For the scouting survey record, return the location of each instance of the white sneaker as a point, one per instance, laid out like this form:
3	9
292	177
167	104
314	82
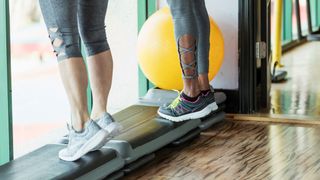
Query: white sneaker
107	123
92	137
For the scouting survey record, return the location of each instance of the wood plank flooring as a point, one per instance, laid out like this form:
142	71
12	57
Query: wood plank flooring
241	150
300	94
276	118
280	144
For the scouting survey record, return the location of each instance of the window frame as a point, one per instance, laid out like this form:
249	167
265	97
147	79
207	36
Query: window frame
6	137
145	9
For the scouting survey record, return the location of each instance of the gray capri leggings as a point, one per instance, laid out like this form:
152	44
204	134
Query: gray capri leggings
191	18
65	19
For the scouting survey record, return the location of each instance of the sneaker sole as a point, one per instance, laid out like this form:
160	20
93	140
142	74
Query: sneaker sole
96	142
195	115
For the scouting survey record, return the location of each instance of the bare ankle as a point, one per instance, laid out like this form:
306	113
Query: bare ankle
204	83
78	127
96	114
78	119
192	89
191	93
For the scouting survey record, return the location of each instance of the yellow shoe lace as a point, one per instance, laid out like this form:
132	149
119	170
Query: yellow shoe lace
175	102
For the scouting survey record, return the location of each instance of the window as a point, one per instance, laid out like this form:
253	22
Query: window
294	21
304	17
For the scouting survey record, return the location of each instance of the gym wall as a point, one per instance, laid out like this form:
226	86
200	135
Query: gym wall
225	15
122	30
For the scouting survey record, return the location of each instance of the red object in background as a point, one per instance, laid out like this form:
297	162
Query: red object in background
23	50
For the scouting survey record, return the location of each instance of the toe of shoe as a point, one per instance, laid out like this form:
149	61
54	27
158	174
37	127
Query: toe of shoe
63	153
165	110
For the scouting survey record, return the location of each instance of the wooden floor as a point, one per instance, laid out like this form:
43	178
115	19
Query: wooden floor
283	143
241	150
296	100
300	94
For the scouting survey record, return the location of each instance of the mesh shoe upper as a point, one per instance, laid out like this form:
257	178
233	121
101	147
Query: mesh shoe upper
181	106
209	97
105	120
108	123
76	140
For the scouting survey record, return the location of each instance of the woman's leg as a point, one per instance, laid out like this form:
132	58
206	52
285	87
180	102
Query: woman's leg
186	35
191	104
74	77
92	15
100	73
61	20
203	26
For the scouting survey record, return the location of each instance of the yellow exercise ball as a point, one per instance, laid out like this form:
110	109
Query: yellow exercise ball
158	55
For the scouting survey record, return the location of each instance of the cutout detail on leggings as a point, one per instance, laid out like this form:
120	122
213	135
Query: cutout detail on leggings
57	42
188	65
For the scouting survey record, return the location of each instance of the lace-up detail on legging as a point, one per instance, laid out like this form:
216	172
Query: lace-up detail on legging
188	61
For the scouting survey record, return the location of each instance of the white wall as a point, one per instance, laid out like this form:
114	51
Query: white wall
225	13
121	22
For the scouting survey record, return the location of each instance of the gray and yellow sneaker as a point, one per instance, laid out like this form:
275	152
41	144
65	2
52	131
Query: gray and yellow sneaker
92	137
107	123
181	109
210	99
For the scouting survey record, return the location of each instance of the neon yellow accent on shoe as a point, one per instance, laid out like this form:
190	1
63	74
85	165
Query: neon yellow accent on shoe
175	102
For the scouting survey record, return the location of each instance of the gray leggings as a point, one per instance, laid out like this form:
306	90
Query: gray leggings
65	19
191	18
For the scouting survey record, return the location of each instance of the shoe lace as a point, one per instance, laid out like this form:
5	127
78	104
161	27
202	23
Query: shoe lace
175	102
